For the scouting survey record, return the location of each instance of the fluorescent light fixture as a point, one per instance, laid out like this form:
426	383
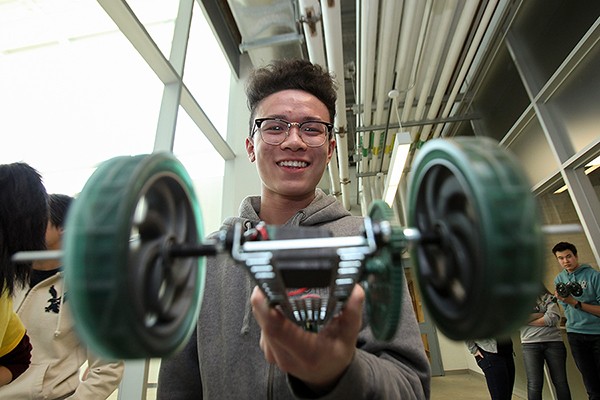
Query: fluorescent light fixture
591	166
399	155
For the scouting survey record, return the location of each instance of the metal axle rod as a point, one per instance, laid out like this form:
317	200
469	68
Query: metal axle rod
206	249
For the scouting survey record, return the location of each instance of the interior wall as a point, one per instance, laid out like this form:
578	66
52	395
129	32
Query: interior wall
241	178
454	356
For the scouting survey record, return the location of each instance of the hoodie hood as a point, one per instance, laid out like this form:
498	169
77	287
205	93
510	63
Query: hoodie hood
581	270
321	210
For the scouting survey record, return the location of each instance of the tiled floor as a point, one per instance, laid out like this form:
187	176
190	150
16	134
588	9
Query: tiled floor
463	386
453	386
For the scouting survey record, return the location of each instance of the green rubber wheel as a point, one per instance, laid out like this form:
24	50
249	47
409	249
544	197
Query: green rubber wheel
128	297
479	261
384	273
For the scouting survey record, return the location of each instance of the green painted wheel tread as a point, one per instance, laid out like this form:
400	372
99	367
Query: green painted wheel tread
107	277
385	277
481	279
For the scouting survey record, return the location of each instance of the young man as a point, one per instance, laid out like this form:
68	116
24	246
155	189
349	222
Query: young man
242	347
58	354
582	311
23	219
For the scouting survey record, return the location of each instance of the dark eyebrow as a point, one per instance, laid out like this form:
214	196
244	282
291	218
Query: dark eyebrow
283	117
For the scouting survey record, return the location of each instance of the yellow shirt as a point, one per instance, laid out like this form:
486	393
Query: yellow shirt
11	327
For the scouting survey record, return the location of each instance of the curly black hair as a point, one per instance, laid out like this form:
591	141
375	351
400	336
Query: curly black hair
291	74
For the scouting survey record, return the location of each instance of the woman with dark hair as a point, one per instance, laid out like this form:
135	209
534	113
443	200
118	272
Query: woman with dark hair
58	353
23	220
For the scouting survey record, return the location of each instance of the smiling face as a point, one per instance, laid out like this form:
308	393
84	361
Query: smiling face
290	170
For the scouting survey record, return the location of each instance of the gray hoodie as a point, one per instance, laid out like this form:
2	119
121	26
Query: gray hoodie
223	359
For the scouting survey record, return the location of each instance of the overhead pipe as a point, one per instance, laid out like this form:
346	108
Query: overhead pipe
390	45
458	40
433	57
414	73
357	71
332	25
387	45
310	16
369	11
409	79
405	59
409	33
357	102
460	79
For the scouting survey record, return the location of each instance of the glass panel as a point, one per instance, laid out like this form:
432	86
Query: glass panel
575	104
534	153
158	17
549	30
463	128
204	165
70	105
501	99
24	25
207	72
593	172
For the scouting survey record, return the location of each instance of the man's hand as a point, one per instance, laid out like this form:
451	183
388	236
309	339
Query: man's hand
317	359
568	300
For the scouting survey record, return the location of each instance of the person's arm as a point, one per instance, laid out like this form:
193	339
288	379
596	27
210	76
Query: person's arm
16	361
548	318
534	319
5	375
179	375
343	361
589	308
472	346
100	380
586	307
538	319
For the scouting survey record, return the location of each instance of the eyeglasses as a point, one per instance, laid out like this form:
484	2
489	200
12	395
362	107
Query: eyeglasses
273	131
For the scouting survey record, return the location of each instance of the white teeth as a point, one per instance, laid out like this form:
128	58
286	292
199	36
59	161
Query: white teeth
294	164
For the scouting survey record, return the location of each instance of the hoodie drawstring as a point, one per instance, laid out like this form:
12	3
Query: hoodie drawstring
248	309
63	290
